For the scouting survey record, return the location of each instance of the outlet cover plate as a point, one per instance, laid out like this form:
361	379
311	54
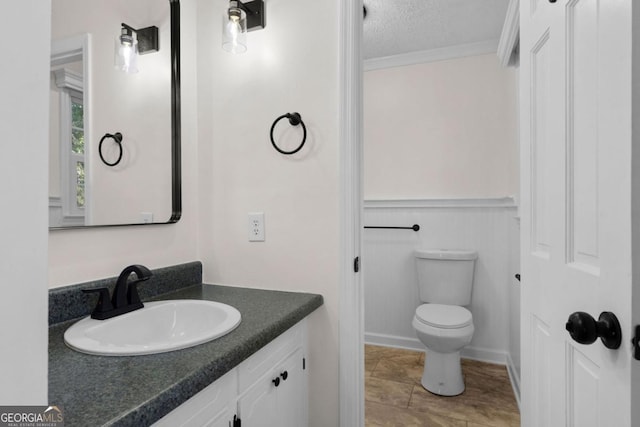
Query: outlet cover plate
256	226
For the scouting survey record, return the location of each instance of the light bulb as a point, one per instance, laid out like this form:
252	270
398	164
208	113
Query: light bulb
126	52
234	38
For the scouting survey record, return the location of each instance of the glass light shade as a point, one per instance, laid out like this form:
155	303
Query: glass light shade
234	37
126	52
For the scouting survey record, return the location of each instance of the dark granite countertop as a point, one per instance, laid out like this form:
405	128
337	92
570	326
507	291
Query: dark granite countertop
139	390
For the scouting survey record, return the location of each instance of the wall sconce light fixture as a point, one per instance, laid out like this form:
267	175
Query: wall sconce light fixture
240	18
130	43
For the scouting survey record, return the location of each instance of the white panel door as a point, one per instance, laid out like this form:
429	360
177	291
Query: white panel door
576	86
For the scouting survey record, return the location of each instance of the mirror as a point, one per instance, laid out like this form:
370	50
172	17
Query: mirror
114	152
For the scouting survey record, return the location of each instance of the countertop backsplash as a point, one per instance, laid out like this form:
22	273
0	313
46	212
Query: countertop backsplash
68	302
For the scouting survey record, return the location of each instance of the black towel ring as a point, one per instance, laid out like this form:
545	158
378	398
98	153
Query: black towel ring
294	120
117	137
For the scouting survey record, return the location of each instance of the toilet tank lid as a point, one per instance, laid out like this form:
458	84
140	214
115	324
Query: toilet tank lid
448	254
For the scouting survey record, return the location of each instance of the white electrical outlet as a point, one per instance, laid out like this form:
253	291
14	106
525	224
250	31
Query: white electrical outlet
256	226
146	217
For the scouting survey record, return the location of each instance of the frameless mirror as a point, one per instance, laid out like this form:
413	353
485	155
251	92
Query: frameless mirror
114	152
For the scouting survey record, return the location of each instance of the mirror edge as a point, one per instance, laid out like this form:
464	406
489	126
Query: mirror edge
176	132
176	114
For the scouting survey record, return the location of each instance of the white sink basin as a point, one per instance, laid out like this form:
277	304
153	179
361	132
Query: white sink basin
157	328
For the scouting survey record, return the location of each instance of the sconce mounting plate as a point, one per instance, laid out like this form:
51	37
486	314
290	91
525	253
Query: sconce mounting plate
148	40
255	14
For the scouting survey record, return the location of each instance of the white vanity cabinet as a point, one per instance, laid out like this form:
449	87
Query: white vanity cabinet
275	399
212	407
268	389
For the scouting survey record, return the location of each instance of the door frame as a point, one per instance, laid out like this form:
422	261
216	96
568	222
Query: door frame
351	292
635	202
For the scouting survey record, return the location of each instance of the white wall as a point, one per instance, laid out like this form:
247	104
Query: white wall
441	130
230	168
24	218
80	255
292	65
391	292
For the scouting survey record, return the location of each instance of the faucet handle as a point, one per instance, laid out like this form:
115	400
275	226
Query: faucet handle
104	302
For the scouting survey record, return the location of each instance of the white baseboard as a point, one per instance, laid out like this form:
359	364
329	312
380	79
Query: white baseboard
393	341
484	355
514	377
469	352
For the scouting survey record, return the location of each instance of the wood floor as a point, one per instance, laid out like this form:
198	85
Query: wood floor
395	397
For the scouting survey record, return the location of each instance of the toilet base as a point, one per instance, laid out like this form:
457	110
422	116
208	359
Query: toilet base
442	373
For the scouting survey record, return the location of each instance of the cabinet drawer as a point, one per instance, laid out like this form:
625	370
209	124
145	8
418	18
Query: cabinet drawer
273	353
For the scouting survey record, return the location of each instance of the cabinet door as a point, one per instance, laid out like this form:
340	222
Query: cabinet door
284	405
212	407
270	356
292	392
257	407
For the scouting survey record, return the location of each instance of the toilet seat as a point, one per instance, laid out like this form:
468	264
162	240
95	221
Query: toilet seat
444	316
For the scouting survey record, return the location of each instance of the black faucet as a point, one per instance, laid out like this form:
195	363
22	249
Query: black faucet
125	295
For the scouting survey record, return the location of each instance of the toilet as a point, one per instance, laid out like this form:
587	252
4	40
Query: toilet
442	323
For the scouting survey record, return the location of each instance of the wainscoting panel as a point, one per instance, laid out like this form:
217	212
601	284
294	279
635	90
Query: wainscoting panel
391	293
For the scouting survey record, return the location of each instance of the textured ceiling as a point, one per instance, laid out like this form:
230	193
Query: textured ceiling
394	27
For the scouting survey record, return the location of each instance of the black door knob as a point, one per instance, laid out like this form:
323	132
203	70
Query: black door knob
276	381
584	329
284	375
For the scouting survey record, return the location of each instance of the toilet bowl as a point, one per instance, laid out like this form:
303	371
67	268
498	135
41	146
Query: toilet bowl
441	323
444	330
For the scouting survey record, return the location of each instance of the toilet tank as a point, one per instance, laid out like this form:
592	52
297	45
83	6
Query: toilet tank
445	276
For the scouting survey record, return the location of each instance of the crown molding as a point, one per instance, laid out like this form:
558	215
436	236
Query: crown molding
432	55
510	37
